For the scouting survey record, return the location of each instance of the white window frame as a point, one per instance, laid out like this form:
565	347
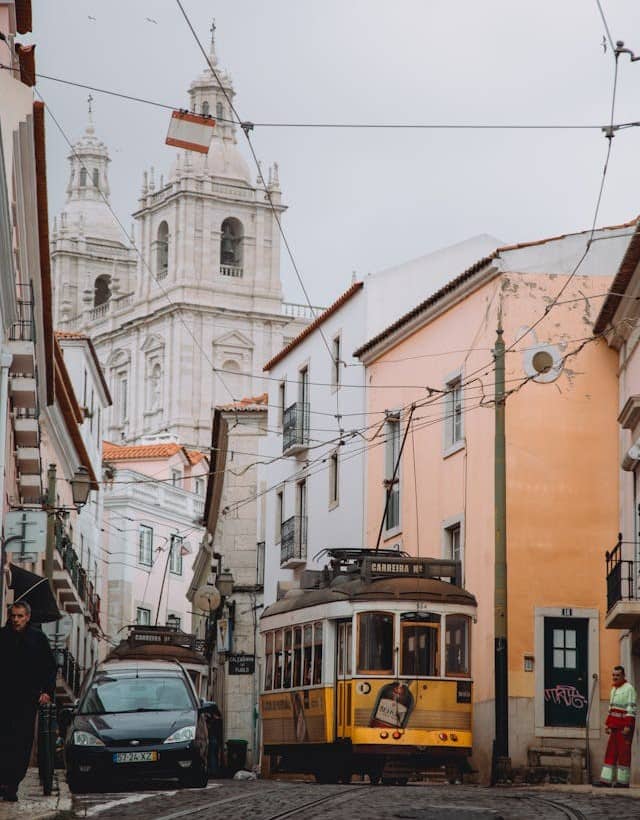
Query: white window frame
122	380
336	361
279	513
176	477
453	429
451	526
394	417
282	402
139	610
145	528
334	479
175	558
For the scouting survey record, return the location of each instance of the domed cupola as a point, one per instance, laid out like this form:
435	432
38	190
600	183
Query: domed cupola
211	95
86	209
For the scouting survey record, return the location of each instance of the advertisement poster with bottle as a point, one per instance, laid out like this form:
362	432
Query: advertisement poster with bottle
394	705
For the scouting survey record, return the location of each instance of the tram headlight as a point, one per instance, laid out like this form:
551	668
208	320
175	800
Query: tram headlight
443	736
384	735
453	736
396	735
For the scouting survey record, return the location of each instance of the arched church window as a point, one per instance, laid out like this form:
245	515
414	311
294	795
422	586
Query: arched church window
162	249
101	290
83	177
231	247
234	380
96	178
219	111
205	109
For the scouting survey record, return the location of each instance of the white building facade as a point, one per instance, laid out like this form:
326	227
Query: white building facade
184	321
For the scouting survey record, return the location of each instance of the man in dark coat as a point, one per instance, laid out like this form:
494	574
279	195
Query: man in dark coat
28	679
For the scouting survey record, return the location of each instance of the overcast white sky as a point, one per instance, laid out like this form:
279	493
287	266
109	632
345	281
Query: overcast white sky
364	200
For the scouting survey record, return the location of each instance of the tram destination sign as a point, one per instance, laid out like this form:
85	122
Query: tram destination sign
401	567
240	664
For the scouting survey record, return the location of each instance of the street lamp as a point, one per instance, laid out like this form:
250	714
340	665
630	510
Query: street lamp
224	583
80	487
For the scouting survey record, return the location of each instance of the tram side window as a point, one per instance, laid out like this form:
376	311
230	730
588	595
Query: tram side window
297	656
375	643
288	658
317	653
268	664
277	666
457	645
307	655
420	642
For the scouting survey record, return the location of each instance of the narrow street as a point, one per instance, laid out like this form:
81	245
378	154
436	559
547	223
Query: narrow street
273	800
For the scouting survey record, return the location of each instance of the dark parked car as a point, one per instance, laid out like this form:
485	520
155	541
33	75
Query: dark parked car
136	719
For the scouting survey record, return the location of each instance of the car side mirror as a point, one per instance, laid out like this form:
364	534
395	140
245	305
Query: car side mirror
208	707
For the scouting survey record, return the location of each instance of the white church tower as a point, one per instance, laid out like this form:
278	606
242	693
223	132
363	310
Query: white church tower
192	325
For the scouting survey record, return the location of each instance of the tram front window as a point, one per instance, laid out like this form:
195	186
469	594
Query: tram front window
317	653
297	656
420	642
307	655
277	666
288	658
375	643
457	645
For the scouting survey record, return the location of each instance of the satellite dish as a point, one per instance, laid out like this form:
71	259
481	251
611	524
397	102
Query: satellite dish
207	598
58	631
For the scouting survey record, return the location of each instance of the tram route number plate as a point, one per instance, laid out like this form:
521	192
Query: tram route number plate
135	757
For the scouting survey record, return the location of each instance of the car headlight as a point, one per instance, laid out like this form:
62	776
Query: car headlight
182	735
86	739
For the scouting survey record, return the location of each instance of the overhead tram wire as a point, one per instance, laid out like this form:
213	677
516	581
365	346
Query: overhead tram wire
362	126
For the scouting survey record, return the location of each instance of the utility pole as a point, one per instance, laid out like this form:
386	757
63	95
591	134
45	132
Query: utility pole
51	523
501	671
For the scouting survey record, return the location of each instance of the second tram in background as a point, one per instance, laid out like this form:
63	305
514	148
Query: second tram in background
370	671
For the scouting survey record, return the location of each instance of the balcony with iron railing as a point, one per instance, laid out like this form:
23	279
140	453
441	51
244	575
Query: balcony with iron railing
623	594
295	428
293	542
69	577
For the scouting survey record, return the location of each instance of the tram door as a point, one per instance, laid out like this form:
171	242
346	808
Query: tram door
343	693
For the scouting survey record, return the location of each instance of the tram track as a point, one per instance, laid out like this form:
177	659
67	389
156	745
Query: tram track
339	796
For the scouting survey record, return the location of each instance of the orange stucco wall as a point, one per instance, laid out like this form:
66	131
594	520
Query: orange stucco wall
562	461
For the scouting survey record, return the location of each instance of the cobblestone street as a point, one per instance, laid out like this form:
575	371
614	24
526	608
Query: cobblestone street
268	800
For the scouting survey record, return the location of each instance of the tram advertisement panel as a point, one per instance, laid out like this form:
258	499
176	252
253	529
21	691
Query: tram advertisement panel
295	717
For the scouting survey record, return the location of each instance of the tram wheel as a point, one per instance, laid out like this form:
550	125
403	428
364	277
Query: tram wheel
374	778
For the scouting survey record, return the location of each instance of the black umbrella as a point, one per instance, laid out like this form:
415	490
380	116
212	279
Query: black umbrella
36	591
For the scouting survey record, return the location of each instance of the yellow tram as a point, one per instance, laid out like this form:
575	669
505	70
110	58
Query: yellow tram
369	670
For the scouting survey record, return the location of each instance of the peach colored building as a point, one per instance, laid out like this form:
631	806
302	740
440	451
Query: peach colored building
618	321
561	472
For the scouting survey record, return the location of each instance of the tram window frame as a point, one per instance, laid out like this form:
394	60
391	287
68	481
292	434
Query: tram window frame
297	657
428	621
467	646
287	660
366	669
277	657
317	654
268	662
307	654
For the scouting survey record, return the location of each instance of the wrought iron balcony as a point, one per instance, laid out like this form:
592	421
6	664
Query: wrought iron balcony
70	672
293	541
295	428
623	594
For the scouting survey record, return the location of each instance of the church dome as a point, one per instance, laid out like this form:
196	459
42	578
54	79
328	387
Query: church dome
86	211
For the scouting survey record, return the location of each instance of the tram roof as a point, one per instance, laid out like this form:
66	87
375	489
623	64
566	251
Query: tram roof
379	589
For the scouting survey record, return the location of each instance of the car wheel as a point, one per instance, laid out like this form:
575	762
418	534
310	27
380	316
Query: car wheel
196	778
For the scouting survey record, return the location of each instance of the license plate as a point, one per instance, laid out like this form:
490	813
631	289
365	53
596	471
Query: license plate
135	757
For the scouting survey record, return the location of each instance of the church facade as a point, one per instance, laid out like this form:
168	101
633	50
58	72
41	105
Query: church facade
184	318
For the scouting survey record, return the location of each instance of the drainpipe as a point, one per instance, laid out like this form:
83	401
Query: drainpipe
5	363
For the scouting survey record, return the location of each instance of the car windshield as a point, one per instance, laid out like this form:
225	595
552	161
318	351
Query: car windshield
110	694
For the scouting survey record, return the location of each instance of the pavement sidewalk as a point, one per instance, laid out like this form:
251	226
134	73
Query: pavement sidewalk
32	804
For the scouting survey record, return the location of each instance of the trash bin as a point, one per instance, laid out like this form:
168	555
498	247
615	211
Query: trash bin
236	755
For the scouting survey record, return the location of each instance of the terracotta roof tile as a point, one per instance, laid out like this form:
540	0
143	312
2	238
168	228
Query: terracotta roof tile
131	452
195	456
316	323
249	403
